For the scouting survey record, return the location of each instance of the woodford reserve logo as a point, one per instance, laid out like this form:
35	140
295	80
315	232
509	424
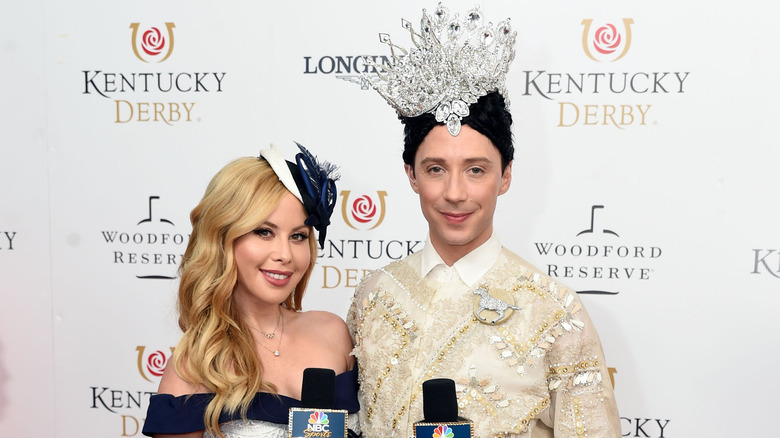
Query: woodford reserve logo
153	249
605	96
167	97
598	260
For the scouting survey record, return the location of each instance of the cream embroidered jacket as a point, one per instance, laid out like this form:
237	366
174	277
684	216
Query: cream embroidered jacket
539	373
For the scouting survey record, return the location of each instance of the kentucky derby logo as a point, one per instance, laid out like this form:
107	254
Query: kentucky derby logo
153	44
151	364
608	43
363	211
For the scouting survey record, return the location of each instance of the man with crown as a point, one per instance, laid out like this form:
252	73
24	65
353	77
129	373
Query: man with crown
524	355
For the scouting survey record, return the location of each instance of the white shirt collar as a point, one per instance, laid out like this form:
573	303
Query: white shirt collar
470	267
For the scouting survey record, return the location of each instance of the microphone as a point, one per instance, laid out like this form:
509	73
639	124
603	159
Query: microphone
319	388
317	416
440	412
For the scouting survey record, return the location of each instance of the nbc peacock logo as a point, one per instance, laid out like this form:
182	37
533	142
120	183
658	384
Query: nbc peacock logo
443	431
318	423
605	42
150	44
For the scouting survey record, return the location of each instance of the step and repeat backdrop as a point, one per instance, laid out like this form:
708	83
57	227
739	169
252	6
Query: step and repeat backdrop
646	178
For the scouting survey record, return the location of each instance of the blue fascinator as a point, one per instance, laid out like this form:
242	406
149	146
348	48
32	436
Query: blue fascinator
311	181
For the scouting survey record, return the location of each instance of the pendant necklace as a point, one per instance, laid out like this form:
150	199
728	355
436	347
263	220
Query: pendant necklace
281	334
273	333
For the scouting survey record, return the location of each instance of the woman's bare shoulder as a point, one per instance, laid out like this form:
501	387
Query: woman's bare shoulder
321	317
174	384
328	329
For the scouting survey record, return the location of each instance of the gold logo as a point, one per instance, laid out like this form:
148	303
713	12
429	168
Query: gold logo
363	210
153	44
606	40
153	364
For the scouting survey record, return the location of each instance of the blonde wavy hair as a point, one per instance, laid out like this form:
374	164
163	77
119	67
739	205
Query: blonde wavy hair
217	349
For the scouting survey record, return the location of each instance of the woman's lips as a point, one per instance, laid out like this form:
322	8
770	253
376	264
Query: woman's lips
277	278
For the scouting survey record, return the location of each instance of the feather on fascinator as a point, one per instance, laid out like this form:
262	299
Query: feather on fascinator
311	181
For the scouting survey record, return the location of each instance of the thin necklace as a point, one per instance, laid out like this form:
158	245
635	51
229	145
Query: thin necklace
281	334
273	333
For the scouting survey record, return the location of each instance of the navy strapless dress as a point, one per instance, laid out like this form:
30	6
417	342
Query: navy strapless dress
268	413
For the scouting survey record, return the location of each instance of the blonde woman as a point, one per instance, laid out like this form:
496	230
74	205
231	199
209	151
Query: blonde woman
238	367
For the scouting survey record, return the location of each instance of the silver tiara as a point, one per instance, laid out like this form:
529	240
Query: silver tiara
453	63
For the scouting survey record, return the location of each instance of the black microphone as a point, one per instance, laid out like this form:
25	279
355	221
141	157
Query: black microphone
440	404
317	416
440	412
319	388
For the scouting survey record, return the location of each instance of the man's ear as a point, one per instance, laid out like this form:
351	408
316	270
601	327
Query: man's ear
506	178
412	178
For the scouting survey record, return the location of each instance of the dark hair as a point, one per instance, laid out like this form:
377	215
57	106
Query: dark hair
488	116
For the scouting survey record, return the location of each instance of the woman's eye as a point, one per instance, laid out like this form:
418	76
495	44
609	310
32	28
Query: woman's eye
262	232
299	237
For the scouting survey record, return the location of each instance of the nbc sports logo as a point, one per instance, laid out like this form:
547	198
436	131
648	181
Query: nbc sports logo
318	422
443	431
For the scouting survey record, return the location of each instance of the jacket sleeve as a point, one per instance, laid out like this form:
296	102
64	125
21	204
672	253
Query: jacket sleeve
582	401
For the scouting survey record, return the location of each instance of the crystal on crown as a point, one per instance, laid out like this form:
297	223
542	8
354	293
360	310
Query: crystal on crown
452	63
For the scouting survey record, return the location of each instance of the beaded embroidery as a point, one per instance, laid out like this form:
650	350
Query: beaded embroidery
523	346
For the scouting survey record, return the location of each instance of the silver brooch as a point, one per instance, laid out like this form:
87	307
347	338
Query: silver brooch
496	302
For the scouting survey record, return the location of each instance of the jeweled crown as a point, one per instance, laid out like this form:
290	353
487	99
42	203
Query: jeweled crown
453	63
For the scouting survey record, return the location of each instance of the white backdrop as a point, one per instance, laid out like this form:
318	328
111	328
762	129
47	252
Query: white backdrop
664	217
